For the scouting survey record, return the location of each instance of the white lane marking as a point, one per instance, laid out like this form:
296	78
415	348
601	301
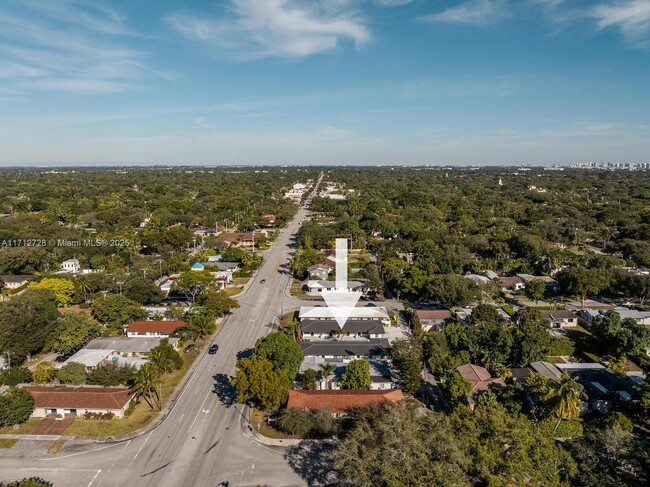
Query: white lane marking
181	418
201	409
139	450
93	479
80	453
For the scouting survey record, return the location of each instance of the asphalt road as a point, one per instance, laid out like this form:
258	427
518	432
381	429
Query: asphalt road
200	442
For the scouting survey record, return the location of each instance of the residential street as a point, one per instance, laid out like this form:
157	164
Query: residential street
200	442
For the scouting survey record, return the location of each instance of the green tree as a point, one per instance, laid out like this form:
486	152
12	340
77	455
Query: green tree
296	421
16	405
194	283
258	380
44	372
146	384
453	290
407	358
622	338
73	331
535	289
26	321
532	339
15	376
356	375
308	381
565	398
72	373
63	289
200	325
116	311
282	350
111	374
456	388
142	291
164	357
217	303
580	281
327	372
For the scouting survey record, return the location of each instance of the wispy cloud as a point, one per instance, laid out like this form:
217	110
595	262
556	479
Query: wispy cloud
632	17
276	28
472	12
68	46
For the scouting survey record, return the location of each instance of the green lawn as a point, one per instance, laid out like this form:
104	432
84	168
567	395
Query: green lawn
4	443
21	429
260	417
554	360
241	281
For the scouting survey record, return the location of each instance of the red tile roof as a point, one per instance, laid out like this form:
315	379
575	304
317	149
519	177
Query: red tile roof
433	314
479	377
79	397
236	237
167	327
340	401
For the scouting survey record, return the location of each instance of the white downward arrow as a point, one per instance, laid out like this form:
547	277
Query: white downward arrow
341	301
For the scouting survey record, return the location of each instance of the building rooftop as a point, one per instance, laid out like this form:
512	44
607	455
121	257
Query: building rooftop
433	314
360	312
79	397
372	347
166	327
16	279
558	314
340	401
126	344
351	326
547	369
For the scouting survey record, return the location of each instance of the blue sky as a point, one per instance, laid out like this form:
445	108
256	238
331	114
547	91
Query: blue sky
324	81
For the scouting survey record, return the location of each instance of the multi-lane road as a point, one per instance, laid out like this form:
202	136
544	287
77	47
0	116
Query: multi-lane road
200	442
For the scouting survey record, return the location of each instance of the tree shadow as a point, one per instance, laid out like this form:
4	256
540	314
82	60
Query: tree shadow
226	393
312	461
246	353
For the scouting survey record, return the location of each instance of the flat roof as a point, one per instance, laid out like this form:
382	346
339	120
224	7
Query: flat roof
351	326
126	344
359	312
547	369
372	347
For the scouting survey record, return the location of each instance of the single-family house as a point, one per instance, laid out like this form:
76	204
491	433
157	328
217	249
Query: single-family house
477	278
641	317
197	267
550	283
434	319
480	379
560	318
547	369
238	239
79	400
512	283
319	271
269	219
341	402
153	328
71	265
119	350
14	282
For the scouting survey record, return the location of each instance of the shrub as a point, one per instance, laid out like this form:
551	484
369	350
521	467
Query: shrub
562	346
15	376
90	415
28	482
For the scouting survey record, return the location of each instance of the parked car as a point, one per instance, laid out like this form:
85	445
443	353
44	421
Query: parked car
262	281
189	348
213	349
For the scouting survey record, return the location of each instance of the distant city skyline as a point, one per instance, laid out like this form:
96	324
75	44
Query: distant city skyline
324	82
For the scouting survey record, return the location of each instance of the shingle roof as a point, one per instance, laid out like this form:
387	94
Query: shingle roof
558	314
351	326
166	327
340	401
79	397
16	279
480	378
372	347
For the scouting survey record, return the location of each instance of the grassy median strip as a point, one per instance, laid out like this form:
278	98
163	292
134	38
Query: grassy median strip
55	446
5	443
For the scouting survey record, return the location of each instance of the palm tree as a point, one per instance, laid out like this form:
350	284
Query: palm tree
84	287
566	396
327	370
146	385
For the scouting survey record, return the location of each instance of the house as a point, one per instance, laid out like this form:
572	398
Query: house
319	271
512	283
641	317
520	374
238	239
71	265
369	312
269	219
166	283
477	278
433	319
481	381
79	400
222	266
330	329
550	283
547	369
340	402
345	351
14	282
319	287
198	267
153	328
560	318
120	350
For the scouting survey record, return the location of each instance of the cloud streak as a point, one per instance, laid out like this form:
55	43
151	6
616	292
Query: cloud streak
631	17
276	28
472	12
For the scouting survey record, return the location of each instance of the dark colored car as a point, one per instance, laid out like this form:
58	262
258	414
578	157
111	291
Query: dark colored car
189	348
262	281
213	349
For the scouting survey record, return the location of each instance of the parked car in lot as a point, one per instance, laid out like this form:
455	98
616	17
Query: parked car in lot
213	349
189	348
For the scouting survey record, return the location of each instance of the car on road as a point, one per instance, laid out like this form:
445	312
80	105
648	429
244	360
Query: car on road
262	281
189	348
213	349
